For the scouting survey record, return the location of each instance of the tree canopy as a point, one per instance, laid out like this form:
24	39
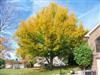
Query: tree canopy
2	47
2	63
52	32
83	55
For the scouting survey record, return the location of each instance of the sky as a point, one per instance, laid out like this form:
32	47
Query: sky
87	11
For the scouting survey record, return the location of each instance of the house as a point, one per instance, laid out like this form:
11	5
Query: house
93	38
14	64
40	61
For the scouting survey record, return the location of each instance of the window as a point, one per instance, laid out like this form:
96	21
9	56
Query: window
98	44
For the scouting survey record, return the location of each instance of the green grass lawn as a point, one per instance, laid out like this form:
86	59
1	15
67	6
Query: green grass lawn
32	71
26	72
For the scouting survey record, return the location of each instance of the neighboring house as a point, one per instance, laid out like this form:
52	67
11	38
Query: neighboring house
40	61
14	65
93	38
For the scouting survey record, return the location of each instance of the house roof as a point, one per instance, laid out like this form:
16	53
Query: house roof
15	62
92	30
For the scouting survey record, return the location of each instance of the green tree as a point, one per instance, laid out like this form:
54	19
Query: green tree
2	63
83	55
52	32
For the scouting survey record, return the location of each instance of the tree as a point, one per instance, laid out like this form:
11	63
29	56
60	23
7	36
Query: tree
75	41
2	63
52	32
2	47
83	55
8	12
1	43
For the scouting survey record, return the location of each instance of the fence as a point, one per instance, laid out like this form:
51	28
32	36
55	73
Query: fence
87	72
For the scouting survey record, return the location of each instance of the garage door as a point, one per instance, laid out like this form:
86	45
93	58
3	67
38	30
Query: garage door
98	66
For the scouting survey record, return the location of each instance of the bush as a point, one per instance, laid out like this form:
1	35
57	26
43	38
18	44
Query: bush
83	55
2	63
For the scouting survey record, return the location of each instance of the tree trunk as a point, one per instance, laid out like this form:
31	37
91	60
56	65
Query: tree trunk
50	62
71	60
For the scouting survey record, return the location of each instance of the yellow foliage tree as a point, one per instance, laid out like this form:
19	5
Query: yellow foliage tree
52	32
2	47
